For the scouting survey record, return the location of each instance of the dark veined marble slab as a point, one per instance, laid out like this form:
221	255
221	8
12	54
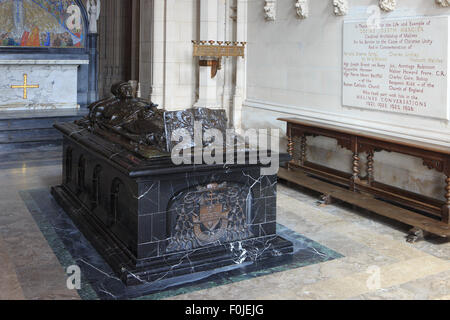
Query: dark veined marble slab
99	281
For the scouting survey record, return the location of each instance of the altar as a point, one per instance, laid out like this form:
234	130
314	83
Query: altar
47	55
39	84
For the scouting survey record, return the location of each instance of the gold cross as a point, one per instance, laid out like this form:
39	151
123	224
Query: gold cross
25	86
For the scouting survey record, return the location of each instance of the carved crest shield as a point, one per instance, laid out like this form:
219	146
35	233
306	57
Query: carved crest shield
209	213
212	221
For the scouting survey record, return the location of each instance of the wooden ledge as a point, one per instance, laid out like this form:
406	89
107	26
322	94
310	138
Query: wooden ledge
369	135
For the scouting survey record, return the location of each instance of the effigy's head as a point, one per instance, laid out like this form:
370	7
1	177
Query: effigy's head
122	90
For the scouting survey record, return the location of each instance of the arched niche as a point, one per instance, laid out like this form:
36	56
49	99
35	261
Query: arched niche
68	156
117	194
96	185
81	173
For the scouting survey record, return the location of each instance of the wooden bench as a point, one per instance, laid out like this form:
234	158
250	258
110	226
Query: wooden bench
422	212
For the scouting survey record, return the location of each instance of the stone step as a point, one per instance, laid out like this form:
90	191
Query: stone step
33	123
27	131
36	119
29	135
36	114
24	147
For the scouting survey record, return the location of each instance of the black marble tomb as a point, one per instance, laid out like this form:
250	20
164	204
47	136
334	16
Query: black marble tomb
151	219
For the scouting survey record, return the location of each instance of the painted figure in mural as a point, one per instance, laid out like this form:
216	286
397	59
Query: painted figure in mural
67	40
41	23
93	9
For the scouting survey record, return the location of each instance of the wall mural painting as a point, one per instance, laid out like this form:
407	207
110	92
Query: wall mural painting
41	23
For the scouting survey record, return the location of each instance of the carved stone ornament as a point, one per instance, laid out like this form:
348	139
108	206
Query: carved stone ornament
340	7
302	7
270	10
93	9
388	5
443	3
211	214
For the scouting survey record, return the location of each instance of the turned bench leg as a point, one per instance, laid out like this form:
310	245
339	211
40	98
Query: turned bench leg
355	164
303	150
370	169
290	149
356	171
446	208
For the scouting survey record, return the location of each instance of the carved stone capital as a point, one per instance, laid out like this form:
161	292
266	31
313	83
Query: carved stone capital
302	7
388	5
340	7
443	3
270	10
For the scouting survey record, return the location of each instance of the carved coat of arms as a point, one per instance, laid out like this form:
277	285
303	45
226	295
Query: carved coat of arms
210	214
212	222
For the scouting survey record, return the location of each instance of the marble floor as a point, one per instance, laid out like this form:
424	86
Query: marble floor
377	262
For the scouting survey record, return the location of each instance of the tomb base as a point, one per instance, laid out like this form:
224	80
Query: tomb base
151	219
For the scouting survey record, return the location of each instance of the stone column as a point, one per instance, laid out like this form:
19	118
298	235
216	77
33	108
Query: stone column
208	31
135	39
152	67
225	77
240	90
93	70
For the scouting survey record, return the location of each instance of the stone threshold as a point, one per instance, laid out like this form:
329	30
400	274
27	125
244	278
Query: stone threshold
43	113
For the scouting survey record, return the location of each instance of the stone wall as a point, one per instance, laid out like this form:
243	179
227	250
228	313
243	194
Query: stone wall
294	69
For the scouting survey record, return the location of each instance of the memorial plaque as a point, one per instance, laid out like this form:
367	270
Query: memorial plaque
399	66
